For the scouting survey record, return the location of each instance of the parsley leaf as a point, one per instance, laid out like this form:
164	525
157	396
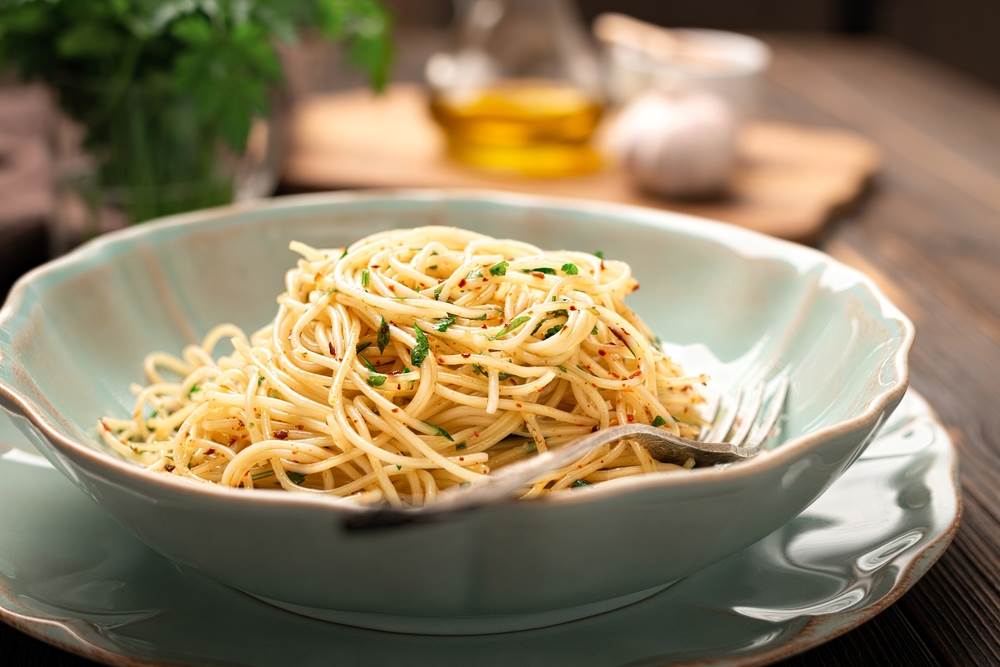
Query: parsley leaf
343	254
365	278
570	269
479	369
419	352
369	365
361	347
552	331
296	477
659	421
499	269
579	483
514	323
544	269
437	291
440	431
383	335
376	380
194	388
460	445
503	376
445	322
599	254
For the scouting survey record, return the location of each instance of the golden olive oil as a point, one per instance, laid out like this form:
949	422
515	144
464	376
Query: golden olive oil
530	128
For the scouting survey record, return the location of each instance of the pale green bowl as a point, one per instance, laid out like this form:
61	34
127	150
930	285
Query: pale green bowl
73	334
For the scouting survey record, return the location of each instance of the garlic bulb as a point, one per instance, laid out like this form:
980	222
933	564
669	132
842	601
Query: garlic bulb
676	144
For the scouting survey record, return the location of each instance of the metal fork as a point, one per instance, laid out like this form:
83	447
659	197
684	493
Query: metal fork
740	425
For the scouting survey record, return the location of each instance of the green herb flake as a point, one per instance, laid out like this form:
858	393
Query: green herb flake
365	278
399	467
361	347
444	323
369	365
479	369
343	254
376	380
580	483
531	446
257	476
499	269
482	317
406	369
437	291
514	323
296	477
552	331
593	332
460	446
260	380
562	368
570	269
422	348
599	254
383	335
504	376
659	421
544	269
440	431
194	388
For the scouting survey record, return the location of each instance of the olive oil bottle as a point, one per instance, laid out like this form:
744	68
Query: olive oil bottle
529	127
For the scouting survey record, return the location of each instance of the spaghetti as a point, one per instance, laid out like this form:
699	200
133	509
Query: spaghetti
410	362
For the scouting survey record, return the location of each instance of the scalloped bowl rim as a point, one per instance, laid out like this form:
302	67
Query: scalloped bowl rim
736	239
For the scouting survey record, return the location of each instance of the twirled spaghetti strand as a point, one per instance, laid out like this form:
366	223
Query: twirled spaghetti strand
410	362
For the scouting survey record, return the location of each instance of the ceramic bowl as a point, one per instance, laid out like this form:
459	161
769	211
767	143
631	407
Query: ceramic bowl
731	302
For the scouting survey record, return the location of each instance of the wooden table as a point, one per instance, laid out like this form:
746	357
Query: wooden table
929	232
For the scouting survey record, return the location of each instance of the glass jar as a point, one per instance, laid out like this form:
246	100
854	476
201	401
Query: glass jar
520	93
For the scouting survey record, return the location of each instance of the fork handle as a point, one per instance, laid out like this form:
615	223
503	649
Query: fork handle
505	484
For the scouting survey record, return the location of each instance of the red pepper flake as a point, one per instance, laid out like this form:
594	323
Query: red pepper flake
281	435
232	440
630	418
440	360
475	434
210	450
392	288
461	283
602	353
169	467
298	427
594	428
373	266
572	307
397	387
466	355
615	375
519	405
104	426
395	410
538	274
635	375
484	326
329	346
602	265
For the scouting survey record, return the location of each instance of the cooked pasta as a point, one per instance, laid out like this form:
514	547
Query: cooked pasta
413	361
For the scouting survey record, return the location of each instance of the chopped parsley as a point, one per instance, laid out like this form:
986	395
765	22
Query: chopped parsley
481	317
376	380
514	323
503	376
460	445
194	388
479	369
440	431
593	332
570	269
361	347
599	254
406	369
419	352
437	291
260	380
552	331
444	323
365	278
383	335
542	269
296	477
562	368
659	421
579	483
343	254
369	365
499	269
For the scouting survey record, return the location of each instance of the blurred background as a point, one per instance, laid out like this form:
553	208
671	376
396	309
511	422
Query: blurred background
782	135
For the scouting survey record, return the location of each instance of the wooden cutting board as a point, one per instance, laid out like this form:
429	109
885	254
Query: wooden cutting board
791	179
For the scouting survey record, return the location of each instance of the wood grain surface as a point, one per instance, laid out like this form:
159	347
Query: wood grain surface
789	181
929	231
